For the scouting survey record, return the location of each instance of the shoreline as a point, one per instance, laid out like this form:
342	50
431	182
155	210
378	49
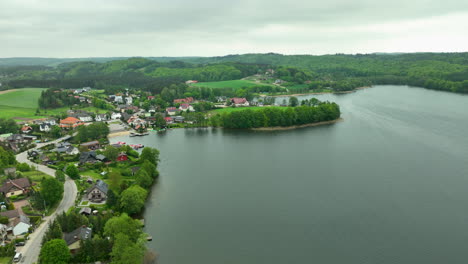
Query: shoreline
301	94
278	128
118	134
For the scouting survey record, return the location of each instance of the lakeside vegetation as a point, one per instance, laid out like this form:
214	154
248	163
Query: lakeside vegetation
246	118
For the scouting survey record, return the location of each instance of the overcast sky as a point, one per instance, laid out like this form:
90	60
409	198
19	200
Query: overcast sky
104	28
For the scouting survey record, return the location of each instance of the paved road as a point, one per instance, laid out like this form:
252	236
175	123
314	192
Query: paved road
33	246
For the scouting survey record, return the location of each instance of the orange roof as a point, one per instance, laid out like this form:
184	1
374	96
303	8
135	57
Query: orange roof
69	120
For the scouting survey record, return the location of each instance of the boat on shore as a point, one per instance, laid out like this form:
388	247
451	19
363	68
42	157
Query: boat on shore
134	134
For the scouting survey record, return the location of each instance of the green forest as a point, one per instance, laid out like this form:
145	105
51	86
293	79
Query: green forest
339	72
277	116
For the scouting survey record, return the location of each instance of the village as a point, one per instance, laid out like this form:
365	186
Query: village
77	145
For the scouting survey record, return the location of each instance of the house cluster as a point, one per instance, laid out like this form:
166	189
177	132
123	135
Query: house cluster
82	90
18	223
16	141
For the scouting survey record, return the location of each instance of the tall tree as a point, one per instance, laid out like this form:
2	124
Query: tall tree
55	251
51	191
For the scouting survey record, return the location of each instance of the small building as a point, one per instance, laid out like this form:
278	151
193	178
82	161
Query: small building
85	211
115	116
150	97
186	107
84	117
122	157
91	157
45	127
171	111
70	122
98	192
129	100
16	187
240	101
74	237
168	120
101	117
92	145
187	100
26	129
21	225
179	119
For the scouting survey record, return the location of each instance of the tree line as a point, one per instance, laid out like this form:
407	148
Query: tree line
277	116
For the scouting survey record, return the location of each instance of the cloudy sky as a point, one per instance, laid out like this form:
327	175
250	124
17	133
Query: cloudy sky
102	28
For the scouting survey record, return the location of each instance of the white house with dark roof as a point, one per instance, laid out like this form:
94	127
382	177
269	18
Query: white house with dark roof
98	192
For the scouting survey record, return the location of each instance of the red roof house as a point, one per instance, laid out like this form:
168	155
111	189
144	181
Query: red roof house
122	157
187	100
70	122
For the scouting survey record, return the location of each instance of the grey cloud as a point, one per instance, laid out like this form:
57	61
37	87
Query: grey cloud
125	26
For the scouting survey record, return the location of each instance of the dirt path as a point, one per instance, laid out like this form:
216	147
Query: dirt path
8	91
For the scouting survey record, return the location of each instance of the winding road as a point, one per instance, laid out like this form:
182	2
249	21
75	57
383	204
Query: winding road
33	246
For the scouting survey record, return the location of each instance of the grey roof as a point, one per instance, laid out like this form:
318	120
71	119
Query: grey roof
102	186
86	210
100	157
24	219
81	233
70	149
89	156
91	143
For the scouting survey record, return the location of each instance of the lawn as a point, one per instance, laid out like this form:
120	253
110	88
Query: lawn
36	176
5	260
235	84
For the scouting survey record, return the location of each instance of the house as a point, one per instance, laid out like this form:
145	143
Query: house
84	117
71	150
18	224
129	100
70	122
179	119
240	101
45	127
98	192
62	146
33	153
150	97
187	100
118	99
26	129
85	211
136	121
82	99
186	107
101	117
86	89
191	81
78	91
115	116
122	157
74	237
168	120
91	157
171	111
92	145
21	225
16	187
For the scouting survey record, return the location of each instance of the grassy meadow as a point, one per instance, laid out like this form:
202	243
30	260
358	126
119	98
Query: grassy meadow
21	104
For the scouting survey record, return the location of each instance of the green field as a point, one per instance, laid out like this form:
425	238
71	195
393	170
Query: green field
22	104
235	84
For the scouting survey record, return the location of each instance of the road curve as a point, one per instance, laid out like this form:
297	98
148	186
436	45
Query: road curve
33	246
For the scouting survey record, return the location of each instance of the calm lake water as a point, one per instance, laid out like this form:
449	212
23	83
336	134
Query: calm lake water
389	184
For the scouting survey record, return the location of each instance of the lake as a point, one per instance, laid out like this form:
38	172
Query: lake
389	184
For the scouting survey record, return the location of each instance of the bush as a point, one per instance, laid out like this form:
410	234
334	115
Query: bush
23	167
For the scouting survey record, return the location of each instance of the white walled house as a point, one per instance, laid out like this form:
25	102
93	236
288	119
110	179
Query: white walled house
115	116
